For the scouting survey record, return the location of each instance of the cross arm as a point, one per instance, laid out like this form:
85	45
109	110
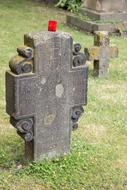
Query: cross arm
20	82
95	52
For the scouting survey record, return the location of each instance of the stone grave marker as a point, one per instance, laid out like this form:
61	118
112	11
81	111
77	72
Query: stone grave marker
101	15
101	53
46	88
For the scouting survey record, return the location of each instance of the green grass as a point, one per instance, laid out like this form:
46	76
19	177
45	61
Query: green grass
98	157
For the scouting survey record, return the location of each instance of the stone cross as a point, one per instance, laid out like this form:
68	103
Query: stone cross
101	53
45	91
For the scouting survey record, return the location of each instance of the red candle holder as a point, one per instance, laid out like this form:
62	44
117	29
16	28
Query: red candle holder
52	25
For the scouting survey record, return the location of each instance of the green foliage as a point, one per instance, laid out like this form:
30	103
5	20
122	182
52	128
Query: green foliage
11	149
71	5
86	165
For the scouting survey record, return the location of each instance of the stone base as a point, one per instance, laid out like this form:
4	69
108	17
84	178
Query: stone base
106	16
92	26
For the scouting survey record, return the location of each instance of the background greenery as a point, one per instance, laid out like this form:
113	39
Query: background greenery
98	157
71	5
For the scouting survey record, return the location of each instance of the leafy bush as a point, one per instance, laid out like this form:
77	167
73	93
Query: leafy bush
71	5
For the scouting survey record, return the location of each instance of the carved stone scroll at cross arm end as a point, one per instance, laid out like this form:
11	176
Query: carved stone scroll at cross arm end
79	58
23	62
76	113
24	128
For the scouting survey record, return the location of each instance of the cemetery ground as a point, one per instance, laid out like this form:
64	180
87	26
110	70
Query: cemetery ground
98	157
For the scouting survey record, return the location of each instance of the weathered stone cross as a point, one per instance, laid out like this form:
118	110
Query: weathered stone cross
101	53
45	101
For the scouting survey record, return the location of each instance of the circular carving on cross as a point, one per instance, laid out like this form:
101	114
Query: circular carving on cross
25	129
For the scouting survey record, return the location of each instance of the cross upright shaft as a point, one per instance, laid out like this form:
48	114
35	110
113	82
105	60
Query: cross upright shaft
101	53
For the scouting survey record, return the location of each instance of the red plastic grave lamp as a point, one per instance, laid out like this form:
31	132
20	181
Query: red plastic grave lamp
52	25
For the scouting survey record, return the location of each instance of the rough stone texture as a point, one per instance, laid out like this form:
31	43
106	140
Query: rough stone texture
46	103
101	53
108	15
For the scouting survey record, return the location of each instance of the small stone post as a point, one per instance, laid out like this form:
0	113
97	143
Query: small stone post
101	53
